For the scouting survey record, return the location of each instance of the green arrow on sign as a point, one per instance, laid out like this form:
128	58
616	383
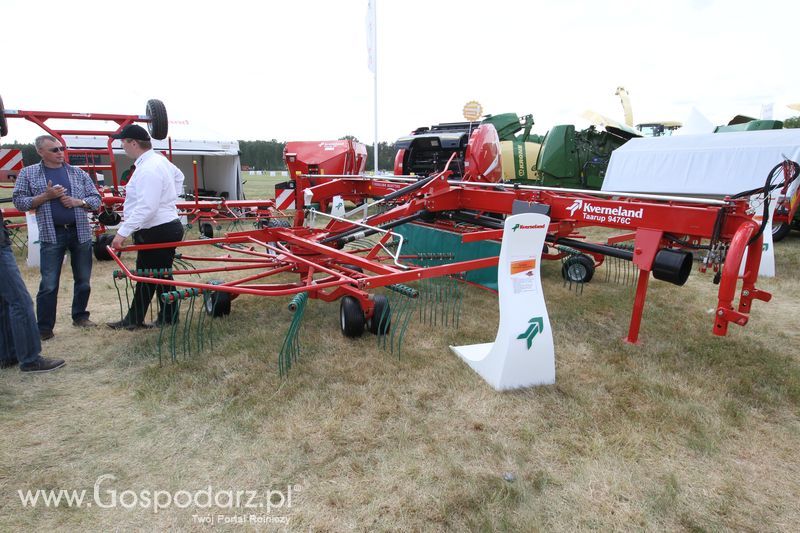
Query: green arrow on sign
536	327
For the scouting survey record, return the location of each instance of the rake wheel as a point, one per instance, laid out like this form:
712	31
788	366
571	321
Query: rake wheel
217	304
207	230
578	269
381	319
351	317
780	231
99	247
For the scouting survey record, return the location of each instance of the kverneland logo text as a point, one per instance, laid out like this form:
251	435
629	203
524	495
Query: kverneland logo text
587	208
527	226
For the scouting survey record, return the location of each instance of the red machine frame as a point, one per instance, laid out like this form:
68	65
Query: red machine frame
196	210
659	223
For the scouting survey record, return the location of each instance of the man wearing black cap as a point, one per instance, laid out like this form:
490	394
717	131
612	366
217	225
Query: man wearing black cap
150	215
19	334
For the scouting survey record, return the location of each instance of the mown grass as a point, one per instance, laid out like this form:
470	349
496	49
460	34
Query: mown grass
684	431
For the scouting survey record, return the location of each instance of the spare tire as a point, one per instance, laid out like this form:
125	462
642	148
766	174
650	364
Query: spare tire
3	123
157	113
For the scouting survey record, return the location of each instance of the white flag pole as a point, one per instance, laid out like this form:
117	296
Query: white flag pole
374	38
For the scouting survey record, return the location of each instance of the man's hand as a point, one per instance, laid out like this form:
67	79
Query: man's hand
51	193
118	242
69	202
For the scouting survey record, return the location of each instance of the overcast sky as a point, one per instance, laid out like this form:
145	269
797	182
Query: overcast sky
297	69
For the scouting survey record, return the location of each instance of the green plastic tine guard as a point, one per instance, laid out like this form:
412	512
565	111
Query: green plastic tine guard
290	349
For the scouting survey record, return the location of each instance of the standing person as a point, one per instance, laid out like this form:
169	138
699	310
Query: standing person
151	216
19	334
61	195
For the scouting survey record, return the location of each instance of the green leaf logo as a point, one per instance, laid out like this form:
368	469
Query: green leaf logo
536	327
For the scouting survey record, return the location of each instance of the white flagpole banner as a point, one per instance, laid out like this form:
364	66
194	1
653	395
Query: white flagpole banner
372	63
371	59
522	354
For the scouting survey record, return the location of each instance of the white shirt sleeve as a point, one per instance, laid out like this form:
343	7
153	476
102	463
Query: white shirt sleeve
178	177
147	185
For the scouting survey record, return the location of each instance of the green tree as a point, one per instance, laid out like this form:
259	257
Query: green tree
386	152
262	155
268	155
792	122
29	155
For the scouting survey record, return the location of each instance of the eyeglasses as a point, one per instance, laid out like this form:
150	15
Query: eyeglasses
57	149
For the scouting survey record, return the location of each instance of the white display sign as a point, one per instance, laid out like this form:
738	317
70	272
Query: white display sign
337	206
33	240
522	354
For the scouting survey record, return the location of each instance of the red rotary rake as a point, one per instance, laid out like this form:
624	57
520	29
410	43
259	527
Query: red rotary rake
665	232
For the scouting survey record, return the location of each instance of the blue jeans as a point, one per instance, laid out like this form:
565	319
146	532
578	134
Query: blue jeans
51	259
19	335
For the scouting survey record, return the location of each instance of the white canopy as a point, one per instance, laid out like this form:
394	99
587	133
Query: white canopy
715	164
218	166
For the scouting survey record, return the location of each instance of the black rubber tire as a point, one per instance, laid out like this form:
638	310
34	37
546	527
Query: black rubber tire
351	317
780	231
217	304
109	218
207	230
99	247
3	122
277	223
159	124
353	267
578	269
381	319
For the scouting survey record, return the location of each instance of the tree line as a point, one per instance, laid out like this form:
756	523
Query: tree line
268	155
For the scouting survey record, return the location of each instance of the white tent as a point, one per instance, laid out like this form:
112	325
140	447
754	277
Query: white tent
218	167
716	164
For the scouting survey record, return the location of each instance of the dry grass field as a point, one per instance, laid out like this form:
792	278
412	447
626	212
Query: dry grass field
686	431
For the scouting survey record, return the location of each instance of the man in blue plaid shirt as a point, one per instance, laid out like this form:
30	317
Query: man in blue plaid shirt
61	195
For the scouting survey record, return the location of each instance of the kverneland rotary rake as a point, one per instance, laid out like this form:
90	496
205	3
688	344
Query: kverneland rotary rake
348	258
207	212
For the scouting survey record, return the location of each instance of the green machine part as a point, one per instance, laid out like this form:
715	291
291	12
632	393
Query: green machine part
518	152
432	240
753	125
576	159
508	124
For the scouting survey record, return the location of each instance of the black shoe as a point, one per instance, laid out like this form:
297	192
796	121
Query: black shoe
158	324
122	324
83	323
46	335
9	363
43	364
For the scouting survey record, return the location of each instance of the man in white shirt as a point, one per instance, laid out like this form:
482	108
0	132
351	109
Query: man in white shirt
150	215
